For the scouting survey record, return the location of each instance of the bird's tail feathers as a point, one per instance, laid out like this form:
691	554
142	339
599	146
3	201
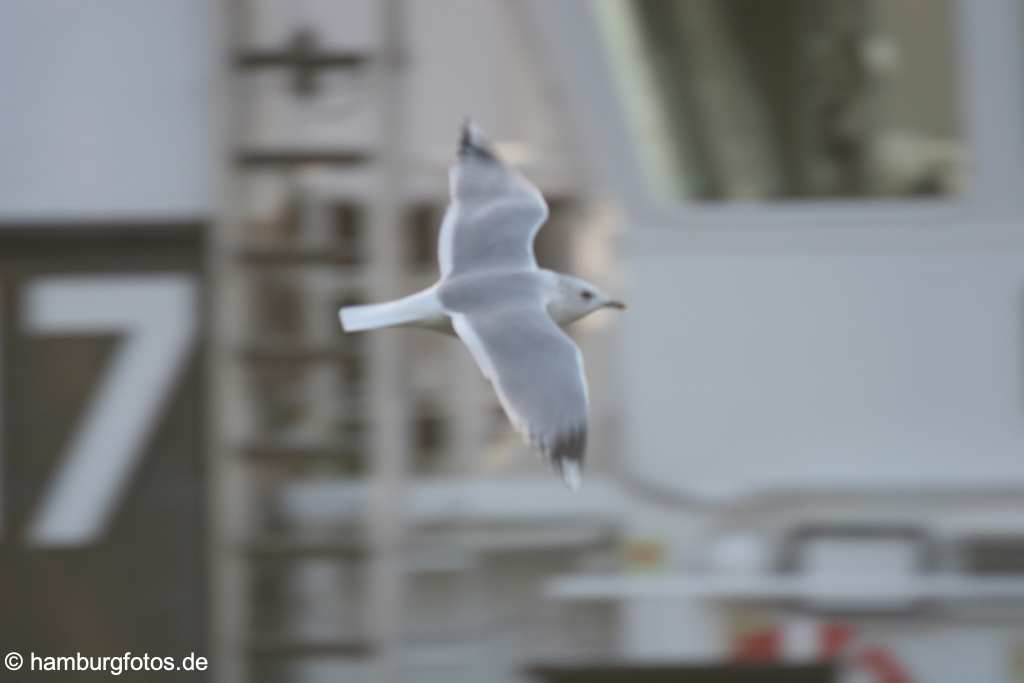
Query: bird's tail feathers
410	309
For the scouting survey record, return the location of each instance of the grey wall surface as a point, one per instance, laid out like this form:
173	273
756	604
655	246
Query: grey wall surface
107	108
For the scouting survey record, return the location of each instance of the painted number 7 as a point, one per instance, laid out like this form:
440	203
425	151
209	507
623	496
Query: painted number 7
156	318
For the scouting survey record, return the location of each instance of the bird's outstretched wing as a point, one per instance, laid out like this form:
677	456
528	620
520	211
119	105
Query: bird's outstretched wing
494	213
537	372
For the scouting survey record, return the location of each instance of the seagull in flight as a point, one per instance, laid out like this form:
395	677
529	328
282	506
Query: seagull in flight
506	310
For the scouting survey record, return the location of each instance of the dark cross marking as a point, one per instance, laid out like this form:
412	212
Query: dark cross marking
303	49
305	60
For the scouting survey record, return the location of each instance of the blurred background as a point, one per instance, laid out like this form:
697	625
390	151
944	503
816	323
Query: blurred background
807	433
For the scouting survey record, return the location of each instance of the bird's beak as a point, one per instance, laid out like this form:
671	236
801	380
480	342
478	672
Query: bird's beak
618	305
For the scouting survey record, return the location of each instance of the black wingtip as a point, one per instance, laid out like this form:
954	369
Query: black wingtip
567	457
472	142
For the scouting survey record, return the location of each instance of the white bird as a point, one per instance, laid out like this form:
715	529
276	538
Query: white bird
505	309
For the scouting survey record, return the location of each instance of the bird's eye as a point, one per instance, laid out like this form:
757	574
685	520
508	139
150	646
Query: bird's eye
587	296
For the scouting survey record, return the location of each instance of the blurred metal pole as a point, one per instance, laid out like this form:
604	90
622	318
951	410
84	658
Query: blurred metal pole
320	325
229	493
389	409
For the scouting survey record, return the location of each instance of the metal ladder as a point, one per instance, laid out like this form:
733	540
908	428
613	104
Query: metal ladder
245	461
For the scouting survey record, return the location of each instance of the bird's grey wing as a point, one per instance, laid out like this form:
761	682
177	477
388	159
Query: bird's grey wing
537	372
493	215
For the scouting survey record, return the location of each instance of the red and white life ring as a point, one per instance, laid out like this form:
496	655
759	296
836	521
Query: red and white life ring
806	640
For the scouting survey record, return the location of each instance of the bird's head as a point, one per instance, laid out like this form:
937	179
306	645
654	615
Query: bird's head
577	298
